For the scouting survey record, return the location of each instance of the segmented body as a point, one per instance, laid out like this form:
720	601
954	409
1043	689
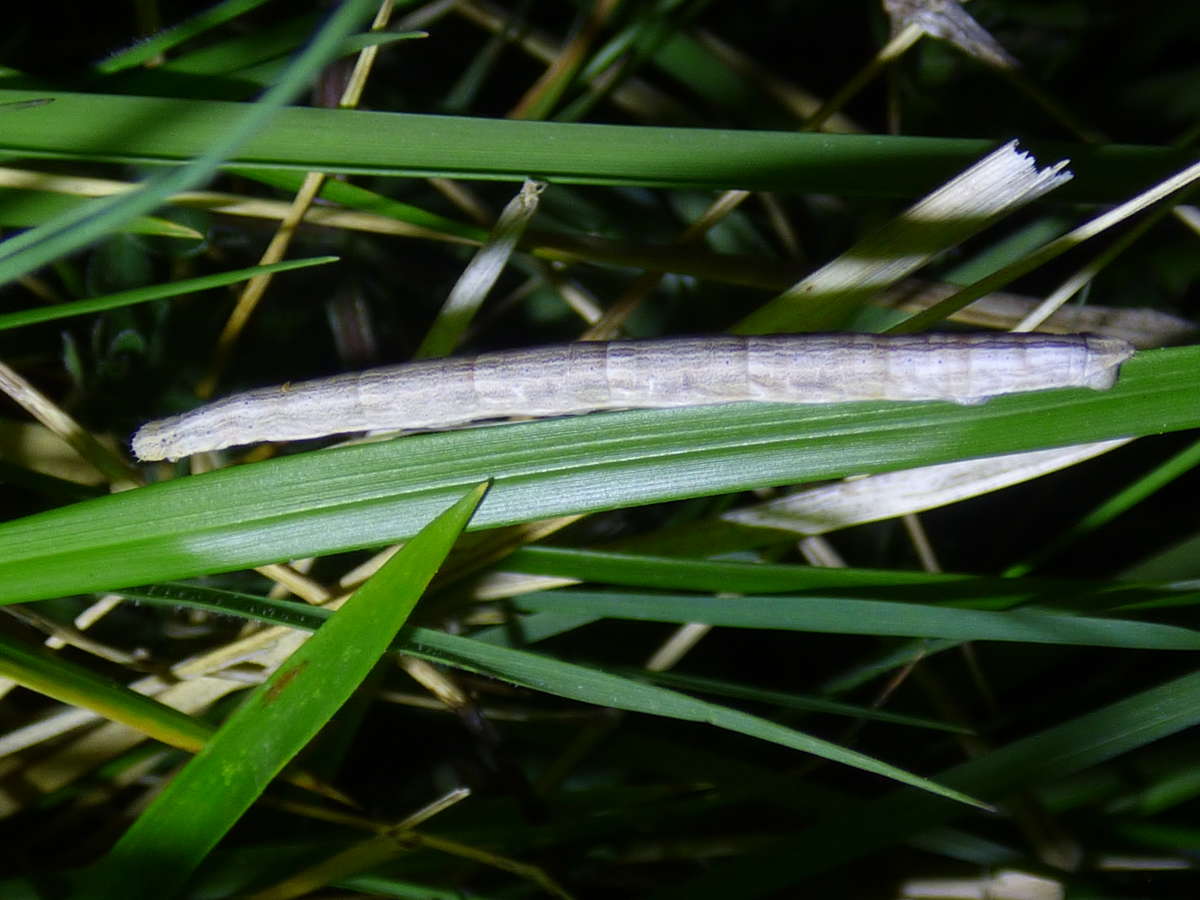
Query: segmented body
569	379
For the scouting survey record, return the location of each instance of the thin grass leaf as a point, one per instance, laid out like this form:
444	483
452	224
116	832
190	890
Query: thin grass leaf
49	674
357	197
148	49
675	573
478	278
541	673
788	700
156	292
225	53
842	615
589	685
24	209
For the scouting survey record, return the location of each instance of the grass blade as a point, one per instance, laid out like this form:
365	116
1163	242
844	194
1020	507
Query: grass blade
372	494
575	682
842	615
421	145
274	723
156	292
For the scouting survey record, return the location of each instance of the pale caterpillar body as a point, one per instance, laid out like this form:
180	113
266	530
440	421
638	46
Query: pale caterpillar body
570	379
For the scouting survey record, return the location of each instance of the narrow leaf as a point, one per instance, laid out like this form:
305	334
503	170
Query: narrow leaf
157	853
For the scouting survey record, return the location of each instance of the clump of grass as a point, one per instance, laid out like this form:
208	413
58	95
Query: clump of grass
620	684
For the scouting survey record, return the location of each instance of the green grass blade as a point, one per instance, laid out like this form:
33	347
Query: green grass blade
114	128
675	573
146	50
354	196
590	685
228	55
789	700
164	845
71	683
538	627
842	615
26	208
372	494
542	673
155	292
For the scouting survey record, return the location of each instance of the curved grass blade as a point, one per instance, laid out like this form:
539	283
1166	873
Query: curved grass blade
563	679
589	685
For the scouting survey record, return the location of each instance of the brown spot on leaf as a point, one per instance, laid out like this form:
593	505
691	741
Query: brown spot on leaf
283	681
